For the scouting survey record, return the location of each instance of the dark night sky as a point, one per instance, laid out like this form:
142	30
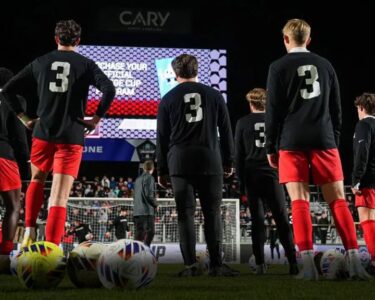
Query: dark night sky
250	30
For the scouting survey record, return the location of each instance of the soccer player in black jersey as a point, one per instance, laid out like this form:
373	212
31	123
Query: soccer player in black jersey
260	181
120	223
13	148
303	120
363	176
62	79
188	150
82	231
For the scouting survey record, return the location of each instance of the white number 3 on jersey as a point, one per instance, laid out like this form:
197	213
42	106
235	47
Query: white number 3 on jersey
196	111
62	85
311	81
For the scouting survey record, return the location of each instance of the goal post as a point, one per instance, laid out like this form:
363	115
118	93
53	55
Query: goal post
99	214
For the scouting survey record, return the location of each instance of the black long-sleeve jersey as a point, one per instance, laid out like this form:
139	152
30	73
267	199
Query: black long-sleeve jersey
364	153
303	108
120	223
13	141
62	80
251	156
81	231
189	117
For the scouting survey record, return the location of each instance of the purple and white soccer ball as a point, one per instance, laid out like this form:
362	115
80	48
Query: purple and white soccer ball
127	264
364	256
333	265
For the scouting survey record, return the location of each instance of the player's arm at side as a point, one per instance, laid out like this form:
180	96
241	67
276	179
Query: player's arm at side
105	85
240	155
88	228
18	140
20	83
273	110
226	137
361	149
163	133
335	107
114	223
149	191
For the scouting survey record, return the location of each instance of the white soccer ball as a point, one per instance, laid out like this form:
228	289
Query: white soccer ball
89	236
203	260
332	265
13	257
82	264
364	256
127	264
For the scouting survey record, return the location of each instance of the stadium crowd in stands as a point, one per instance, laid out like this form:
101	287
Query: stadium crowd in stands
123	187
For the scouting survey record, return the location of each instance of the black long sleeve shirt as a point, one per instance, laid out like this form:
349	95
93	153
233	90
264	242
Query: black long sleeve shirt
81	231
13	141
251	156
120	223
364	153
62	80
189	118
303	109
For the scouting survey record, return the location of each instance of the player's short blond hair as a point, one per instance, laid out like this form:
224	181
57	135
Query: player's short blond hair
298	30
257	98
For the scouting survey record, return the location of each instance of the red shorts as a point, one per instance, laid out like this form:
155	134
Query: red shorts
366	198
61	158
9	175
325	166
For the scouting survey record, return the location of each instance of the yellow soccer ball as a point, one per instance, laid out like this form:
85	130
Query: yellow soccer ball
41	266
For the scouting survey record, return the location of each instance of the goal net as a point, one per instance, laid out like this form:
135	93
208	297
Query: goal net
99	214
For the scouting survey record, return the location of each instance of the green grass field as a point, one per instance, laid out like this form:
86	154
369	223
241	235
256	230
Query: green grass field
275	285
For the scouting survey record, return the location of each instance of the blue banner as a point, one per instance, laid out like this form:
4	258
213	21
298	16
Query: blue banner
108	150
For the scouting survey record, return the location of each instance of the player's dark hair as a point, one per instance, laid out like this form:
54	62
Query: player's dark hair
257	98
185	66
367	101
5	76
148	165
68	31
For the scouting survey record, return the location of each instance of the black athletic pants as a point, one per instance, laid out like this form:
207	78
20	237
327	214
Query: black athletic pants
209	189
263	188
144	229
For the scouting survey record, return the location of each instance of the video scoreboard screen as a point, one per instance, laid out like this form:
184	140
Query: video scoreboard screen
142	76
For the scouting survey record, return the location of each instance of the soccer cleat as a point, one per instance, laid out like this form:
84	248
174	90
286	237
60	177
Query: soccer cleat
260	269
4	264
355	268
191	271
309	271
29	237
223	271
